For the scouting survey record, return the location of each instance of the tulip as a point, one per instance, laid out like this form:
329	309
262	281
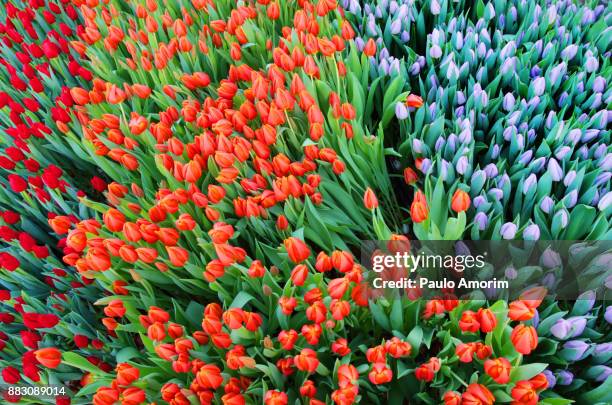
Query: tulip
574	350
477	394
524	338
369	199
380	374
460	201
451	398
49	357
498	369
524	393
297	250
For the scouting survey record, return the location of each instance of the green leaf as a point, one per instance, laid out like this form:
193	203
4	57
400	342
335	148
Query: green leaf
78	361
415	338
397	316
379	316
241	300
126	354
526	371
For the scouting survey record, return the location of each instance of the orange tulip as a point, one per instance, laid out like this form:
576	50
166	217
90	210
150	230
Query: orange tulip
370	48
524	393
414	101
380	374
452	398
49	357
306	360
487	320
369	199
460	201
520	311
477	394
524	338
498	369
297	250
410	176
177	255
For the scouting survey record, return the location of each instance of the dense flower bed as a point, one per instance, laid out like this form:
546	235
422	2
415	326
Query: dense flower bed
185	187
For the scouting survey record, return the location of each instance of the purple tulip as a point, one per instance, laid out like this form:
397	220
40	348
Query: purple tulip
496	194
396	27
571	199
550	377
547	204
425	166
539	85
569	178
574	135
554	170
589	135
549	280
561	329
562	217
562	152
495	152
434	7
510	273
481	220
608	314
508	102
601	372
508	230
530	181
599	84
401	111
569	328
574	350
569	52
602	178
565	377
462	164
479	200
605	201
435	51
550	259
525	158
532	232
491	170
603	349
591	64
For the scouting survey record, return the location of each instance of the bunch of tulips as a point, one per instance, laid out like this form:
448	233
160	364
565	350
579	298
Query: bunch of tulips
516	113
186	185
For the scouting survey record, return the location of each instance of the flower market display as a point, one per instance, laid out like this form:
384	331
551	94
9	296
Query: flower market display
186	187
